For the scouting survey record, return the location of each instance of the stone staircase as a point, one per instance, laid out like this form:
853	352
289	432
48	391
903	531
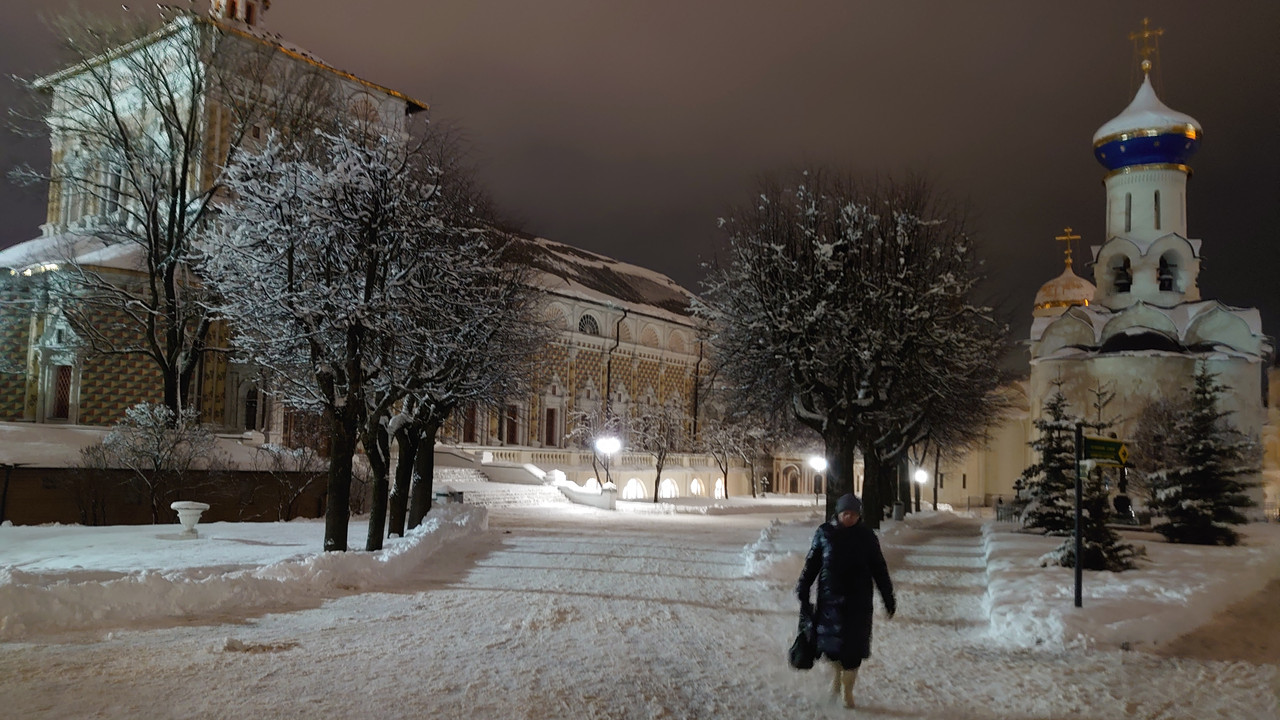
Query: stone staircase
476	489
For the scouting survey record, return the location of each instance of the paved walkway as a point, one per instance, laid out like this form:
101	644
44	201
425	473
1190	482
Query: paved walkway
586	614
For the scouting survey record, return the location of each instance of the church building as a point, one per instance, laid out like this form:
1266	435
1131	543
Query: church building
1140	329
1137	327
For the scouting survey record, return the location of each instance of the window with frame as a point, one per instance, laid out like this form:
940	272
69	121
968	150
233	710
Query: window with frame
60	400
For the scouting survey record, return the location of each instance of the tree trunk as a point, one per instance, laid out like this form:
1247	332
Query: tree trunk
398	505
342	432
379	453
423	473
839	456
657	481
904	482
872	497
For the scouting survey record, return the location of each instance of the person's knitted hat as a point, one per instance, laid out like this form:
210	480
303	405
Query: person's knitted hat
848	503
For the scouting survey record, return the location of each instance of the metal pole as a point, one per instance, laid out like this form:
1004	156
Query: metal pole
937	452
1079	498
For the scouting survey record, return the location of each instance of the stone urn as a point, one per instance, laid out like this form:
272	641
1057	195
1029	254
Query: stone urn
189	514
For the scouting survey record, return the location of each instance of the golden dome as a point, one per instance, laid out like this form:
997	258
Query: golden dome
1064	291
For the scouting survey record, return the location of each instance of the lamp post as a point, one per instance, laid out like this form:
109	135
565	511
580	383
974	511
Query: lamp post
606	446
819	465
921	477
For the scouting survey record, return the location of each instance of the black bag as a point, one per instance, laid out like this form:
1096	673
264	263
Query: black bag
805	648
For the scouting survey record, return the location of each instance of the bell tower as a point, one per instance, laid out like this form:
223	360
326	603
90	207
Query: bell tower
248	12
1146	150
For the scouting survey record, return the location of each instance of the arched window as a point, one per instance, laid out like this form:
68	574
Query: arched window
1157	209
668	489
1128	212
587	325
1122	276
1167	274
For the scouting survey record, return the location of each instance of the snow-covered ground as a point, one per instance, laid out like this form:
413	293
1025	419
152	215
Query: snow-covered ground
573	612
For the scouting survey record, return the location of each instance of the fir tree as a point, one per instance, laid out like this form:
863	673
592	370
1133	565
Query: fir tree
1050	483
1100	546
1199	493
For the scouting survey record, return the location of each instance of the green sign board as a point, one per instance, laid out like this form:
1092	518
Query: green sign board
1105	451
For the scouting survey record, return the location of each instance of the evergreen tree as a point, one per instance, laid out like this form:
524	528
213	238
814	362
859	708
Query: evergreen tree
1100	546
1051	482
1199	492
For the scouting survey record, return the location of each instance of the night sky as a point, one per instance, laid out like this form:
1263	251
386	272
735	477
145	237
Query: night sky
628	127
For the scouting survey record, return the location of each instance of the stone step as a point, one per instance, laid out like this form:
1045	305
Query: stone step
500	495
448	474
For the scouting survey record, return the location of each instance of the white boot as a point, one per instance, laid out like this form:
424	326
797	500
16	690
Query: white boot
835	681
847	679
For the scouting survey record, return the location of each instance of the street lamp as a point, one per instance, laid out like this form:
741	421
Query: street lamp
921	477
606	446
819	465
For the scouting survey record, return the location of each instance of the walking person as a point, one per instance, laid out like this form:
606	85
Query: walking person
846	561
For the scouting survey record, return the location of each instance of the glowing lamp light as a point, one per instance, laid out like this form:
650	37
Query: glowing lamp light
922	477
818	463
608	445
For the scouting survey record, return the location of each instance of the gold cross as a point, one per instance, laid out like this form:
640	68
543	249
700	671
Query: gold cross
1147	36
1067	237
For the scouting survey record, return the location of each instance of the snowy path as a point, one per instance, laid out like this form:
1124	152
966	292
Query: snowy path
586	614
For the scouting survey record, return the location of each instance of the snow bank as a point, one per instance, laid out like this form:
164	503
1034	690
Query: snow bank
1175	590
724	506
36	602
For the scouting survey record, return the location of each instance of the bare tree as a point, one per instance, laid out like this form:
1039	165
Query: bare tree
293	471
323	245
160	448
659	431
378	297
588	426
835	296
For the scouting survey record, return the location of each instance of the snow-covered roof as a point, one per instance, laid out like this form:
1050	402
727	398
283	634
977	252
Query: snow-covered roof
88	250
570	271
1146	113
1181	319
1144	244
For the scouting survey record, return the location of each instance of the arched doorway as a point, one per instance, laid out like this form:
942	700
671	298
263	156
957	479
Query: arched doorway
791	480
634	490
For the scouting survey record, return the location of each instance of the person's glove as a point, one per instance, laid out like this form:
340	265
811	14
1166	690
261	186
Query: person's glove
891	606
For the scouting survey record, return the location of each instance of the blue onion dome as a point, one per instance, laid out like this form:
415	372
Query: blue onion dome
1148	132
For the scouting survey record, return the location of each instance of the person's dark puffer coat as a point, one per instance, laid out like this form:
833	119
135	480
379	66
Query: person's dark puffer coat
846	562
